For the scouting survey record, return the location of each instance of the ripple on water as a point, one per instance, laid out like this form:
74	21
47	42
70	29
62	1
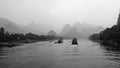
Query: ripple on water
47	54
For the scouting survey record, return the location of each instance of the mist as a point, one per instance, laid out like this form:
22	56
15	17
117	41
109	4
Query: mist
59	33
61	12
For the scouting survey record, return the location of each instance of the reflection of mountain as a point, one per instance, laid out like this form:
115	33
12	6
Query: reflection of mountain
79	30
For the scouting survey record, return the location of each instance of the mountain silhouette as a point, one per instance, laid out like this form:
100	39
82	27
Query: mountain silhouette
10	26
32	27
65	29
79	30
52	33
4	22
73	33
38	28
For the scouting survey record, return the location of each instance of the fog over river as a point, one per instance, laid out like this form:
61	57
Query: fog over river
87	54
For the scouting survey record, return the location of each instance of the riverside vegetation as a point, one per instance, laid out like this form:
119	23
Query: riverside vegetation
109	37
8	39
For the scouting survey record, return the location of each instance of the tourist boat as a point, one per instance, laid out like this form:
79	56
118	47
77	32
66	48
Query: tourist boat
59	40
74	41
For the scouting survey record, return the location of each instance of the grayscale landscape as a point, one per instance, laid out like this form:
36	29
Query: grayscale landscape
59	34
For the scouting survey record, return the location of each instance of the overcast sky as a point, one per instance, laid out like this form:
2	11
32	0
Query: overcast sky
61	12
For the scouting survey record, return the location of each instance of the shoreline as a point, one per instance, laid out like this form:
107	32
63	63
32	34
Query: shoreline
18	43
109	43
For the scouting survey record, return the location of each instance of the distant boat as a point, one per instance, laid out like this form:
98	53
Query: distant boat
74	41
59	40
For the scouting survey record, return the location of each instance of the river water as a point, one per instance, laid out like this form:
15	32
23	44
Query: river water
87	54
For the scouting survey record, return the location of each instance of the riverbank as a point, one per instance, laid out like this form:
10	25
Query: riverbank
108	43
17	43
9	44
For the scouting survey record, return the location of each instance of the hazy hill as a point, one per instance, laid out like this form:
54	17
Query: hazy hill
10	26
31	27
79	30
38	28
4	22
72	33
65	29
52	33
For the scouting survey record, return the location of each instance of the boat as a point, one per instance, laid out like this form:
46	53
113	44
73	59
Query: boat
59	40
74	41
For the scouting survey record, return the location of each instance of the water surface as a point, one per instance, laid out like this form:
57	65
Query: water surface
87	54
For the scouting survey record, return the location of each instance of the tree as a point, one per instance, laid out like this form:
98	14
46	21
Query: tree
111	35
2	31
118	22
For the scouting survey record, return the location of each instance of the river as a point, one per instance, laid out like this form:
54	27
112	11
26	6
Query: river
87	54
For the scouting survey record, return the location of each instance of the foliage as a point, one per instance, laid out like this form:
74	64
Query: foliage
94	37
111	35
9	37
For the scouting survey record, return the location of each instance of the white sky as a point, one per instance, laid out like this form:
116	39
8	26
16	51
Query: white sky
61	12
